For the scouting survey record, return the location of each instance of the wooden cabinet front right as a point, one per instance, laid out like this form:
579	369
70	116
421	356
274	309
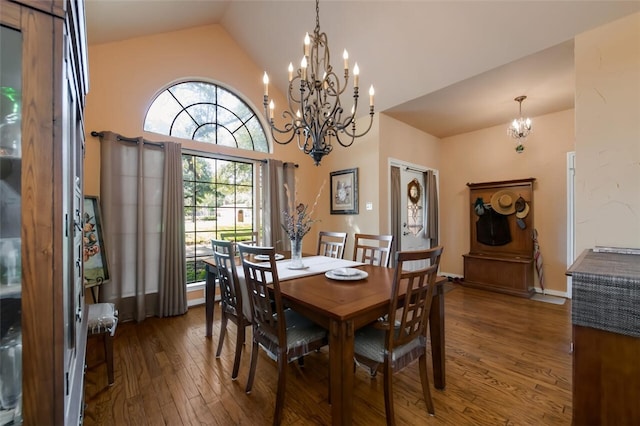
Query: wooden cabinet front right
500	254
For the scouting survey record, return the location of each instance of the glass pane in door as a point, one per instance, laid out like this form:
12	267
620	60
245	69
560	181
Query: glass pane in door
10	210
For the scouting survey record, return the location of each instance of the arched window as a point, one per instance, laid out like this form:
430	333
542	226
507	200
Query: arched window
219	193
206	112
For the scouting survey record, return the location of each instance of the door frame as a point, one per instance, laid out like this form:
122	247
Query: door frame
416	167
571	216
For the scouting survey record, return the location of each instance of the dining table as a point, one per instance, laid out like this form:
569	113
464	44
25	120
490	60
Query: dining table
342	307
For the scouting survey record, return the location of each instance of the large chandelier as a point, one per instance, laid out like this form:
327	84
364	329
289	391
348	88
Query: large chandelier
315	115
520	127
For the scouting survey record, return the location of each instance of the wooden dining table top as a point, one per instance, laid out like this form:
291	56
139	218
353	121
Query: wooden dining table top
342	300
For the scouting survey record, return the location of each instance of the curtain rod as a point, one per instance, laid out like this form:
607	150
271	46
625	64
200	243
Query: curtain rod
122	138
221	156
135	140
415	170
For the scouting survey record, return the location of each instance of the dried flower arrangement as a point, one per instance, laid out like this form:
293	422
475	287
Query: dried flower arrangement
297	217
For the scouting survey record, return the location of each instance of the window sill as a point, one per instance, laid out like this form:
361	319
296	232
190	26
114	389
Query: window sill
195	294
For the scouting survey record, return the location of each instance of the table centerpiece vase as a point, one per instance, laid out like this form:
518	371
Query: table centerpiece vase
296	253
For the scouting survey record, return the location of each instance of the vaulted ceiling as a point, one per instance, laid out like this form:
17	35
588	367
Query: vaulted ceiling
445	67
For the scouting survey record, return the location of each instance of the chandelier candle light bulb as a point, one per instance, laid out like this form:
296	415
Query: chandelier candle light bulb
265	80
303	66
307	43
316	115
356	75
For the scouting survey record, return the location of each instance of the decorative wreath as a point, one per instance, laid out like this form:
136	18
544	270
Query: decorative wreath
414	184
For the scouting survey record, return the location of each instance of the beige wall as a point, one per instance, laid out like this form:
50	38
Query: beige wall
388	139
125	76
364	156
607	62
489	155
405	144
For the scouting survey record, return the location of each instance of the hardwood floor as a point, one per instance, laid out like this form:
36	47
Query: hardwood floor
508	363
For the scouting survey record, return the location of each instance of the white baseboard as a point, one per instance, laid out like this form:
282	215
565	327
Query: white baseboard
553	293
195	302
537	289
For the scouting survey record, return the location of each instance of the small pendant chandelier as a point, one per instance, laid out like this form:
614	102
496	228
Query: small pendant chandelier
520	127
315	115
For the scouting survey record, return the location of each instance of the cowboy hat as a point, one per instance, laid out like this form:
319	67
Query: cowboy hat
503	202
521	214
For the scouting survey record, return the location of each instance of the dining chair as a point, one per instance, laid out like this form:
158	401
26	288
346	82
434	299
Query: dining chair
392	344
372	249
283	333
332	244
231	303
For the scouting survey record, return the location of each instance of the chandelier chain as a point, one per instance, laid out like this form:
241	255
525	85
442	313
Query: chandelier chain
317	30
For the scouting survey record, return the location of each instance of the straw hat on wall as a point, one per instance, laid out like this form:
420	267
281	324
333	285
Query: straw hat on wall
503	202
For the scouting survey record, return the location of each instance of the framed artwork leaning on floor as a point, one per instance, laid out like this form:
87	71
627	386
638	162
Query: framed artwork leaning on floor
96	267
344	191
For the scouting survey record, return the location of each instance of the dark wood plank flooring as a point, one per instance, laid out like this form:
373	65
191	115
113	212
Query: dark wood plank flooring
508	363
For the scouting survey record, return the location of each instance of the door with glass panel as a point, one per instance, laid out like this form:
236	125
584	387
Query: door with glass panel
10	223
413	213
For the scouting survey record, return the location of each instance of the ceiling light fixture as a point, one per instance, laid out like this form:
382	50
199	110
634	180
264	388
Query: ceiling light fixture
315	115
520	127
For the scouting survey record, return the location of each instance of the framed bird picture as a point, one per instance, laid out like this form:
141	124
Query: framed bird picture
344	191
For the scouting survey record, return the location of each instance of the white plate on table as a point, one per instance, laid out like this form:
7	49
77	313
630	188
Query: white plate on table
346	274
266	257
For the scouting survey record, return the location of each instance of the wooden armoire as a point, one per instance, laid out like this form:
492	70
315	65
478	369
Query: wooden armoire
506	265
43	82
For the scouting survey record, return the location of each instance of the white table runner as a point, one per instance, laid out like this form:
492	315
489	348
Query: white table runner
315	265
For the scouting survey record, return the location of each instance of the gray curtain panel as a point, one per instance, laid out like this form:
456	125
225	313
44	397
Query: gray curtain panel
276	174
142	226
172	288
431	198
396	214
